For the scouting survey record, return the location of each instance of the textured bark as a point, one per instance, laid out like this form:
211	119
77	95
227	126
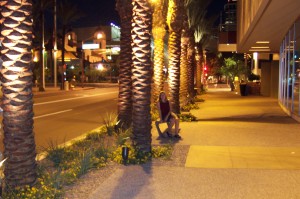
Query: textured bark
124	8
183	73
141	74
184	65
199	58
158	31
191	65
175	27
17	103
158	78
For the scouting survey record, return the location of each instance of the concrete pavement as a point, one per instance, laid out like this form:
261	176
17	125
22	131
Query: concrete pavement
241	147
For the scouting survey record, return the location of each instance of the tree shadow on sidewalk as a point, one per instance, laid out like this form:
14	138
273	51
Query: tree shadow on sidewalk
253	118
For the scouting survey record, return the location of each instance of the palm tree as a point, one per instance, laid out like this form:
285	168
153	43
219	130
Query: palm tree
200	27
68	12
184	62
17	103
174	21
124	8
191	64
141	74
158	32
39	8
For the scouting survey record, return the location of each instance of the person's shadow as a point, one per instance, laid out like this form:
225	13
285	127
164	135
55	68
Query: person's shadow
134	179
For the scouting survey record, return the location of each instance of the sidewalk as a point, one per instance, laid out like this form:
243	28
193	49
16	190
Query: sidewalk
241	147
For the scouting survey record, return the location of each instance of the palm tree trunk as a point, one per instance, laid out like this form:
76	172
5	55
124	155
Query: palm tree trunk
175	27
191	65
183	73
124	8
184	64
141	74
174	71
19	144
158	77
199	57
158	31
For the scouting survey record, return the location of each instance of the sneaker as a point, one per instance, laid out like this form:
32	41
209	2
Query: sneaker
169	134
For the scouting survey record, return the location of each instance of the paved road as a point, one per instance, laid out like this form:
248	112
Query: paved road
63	115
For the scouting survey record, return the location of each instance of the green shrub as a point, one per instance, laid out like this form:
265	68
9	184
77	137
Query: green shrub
136	156
48	185
85	163
95	136
110	122
187	117
196	99
189	107
57	154
123	136
82	144
154	113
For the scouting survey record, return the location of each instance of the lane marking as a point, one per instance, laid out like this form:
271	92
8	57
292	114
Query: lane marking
46	115
74	98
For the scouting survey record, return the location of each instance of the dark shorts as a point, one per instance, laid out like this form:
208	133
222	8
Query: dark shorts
171	116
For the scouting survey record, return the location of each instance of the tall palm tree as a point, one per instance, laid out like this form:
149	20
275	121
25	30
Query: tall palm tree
158	32
141	74
124	8
200	26
191	64
174	21
17	103
184	62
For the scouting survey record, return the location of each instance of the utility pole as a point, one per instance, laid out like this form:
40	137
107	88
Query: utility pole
82	69
55	46
42	49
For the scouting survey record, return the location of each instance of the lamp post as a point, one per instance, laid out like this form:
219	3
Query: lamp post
55	46
82	69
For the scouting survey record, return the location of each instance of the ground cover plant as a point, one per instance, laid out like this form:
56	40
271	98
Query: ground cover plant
64	165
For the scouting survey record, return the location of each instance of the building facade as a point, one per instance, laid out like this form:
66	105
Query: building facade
270	30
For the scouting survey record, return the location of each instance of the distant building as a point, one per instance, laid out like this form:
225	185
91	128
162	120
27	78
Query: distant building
95	44
228	27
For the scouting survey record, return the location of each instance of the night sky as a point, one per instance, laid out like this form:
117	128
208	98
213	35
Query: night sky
103	11
98	12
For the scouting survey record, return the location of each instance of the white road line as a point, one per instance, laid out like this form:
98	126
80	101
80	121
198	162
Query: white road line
62	100
59	112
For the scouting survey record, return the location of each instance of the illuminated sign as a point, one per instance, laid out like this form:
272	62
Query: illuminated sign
90	46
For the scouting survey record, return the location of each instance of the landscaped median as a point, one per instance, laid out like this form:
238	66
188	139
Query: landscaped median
63	165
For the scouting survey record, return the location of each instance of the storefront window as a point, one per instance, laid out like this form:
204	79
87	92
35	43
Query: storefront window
290	70
297	68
